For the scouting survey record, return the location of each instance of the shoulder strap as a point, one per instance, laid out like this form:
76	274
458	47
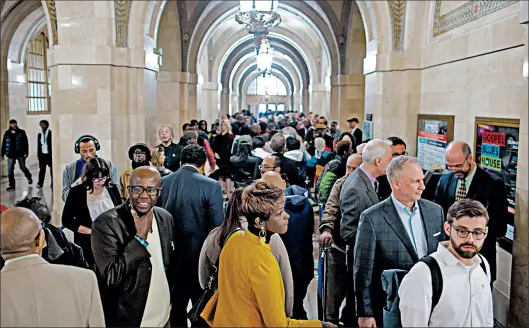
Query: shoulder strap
483	265
437	279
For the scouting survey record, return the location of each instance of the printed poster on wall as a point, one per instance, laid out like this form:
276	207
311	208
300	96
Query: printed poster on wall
497	153
367	132
432	139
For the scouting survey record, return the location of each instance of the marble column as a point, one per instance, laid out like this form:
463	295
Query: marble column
305	101
225	101
97	89
347	98
519	300
168	109
188	97
319	99
209	102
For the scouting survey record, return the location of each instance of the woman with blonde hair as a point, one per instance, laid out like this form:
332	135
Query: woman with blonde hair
222	149
250	288
158	160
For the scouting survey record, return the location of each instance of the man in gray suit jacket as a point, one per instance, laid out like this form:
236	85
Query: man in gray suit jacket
35	293
393	234
358	194
195	201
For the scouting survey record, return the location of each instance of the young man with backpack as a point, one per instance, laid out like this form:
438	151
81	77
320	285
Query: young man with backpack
450	288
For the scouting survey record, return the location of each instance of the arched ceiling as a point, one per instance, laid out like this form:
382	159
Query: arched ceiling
248	61
252	69
303	36
248	47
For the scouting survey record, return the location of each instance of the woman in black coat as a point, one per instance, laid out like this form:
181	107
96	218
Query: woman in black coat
87	201
222	149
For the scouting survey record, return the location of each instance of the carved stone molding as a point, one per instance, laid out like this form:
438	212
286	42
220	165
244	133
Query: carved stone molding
465	13
52	12
397	10
122	14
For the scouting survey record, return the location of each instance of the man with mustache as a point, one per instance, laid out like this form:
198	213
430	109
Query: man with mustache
467	180
466	299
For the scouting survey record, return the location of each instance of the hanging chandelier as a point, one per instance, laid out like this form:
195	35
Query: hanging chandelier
265	55
258	15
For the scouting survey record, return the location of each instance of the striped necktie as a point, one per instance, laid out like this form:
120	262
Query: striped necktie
462	191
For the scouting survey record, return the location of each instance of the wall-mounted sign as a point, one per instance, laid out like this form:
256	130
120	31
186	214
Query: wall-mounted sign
496	149
367	134
434	132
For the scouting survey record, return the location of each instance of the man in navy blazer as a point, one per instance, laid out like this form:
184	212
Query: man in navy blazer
195	201
393	234
480	185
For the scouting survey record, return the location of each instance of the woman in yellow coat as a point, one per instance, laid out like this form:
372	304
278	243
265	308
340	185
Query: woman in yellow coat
250	288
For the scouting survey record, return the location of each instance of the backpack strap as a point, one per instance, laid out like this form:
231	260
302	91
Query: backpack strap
483	265
437	279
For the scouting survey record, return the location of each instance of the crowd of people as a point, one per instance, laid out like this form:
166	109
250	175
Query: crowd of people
225	217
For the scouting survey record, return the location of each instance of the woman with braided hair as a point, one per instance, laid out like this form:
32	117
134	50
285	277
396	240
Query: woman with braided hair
250	288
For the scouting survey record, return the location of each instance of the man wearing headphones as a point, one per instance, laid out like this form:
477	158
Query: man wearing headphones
86	146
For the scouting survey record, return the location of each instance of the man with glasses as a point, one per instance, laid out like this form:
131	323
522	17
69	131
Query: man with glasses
270	163
133	246
394	234
140	155
467	180
466	299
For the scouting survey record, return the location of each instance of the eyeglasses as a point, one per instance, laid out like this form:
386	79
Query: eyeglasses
266	167
100	180
138	190
140	153
400	154
463	233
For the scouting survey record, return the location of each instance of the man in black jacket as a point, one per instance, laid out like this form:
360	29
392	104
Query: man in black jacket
58	249
44	152
468	180
134	253
15	147
195	201
288	166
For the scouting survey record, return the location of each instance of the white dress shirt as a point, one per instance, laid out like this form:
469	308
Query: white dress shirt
44	141
158	306
415	230
466	299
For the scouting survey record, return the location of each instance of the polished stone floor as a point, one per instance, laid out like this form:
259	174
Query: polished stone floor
23	189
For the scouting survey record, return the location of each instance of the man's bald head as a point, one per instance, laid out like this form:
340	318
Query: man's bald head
274	179
146	172
360	148
19	231
458	148
353	162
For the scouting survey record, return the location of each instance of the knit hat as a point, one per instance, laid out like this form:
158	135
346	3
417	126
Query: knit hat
13	121
246	139
141	146
189	135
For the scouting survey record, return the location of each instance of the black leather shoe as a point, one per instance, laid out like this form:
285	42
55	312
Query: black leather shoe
30	181
10	188
39	186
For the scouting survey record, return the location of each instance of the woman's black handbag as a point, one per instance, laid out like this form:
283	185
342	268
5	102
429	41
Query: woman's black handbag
209	290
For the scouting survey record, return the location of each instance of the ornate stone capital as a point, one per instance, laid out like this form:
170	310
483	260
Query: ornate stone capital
122	16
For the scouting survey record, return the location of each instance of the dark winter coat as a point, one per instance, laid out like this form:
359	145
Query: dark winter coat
15	144
298	238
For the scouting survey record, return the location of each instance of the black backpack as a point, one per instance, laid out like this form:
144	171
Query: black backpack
391	280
